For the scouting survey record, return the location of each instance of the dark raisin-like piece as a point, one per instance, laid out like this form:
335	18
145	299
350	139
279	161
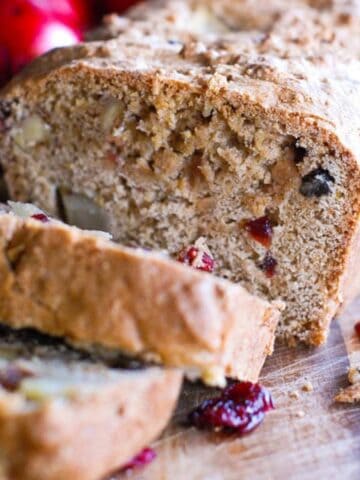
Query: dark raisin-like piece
260	230
268	265
299	154
12	376
316	183
357	329
5	112
5	109
239	409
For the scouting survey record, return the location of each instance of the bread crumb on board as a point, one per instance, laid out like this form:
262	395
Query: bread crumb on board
300	414
294	394
354	374
349	395
307	387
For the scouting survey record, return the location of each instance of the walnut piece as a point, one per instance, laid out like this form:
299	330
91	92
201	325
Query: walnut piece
32	131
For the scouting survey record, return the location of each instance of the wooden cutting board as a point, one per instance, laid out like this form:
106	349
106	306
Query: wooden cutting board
308	436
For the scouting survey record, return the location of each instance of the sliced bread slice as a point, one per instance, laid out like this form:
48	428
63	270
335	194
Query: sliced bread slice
73	283
66	416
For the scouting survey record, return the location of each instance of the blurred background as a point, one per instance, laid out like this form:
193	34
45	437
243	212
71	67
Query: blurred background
29	28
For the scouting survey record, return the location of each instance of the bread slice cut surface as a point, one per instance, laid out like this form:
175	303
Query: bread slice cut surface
65	415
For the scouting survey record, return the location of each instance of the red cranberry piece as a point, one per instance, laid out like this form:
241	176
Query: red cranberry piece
143	458
239	409
260	230
12	376
268	265
357	329
41	217
197	258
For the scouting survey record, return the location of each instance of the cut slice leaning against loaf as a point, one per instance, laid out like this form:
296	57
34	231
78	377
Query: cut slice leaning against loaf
246	140
68	282
66	416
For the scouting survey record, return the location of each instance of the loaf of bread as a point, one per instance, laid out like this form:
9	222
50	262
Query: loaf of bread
66	416
67	282
248	138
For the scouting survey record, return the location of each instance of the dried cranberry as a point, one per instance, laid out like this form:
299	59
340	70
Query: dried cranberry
41	217
197	258
357	329
316	183
12	376
143	458
268	265
260	230
239	409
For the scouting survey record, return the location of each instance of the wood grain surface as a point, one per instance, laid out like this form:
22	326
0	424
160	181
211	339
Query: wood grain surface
308	436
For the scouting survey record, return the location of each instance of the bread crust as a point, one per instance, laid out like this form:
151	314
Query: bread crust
301	23
87	436
65	282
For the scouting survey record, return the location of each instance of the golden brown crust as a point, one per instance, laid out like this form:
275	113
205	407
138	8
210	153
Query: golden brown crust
65	282
86	436
217	16
302	24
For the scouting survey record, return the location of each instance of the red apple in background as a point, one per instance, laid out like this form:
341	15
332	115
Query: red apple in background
76	13
29	28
